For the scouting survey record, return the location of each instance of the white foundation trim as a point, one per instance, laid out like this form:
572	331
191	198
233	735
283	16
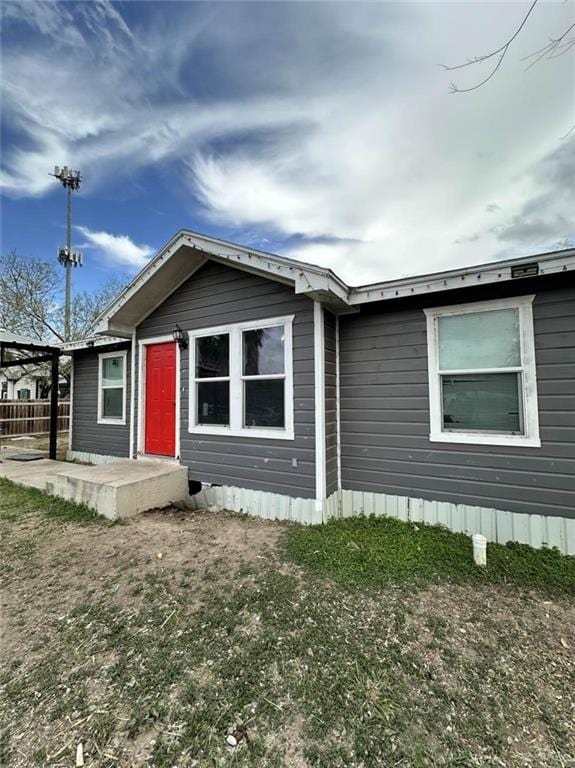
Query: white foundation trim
319	381
142	343
93	458
495	524
270	506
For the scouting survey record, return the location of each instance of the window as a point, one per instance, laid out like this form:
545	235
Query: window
482	379
112	388
213	379
264	376
23	394
241	379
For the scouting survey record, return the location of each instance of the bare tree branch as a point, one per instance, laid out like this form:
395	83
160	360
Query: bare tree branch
31	300
500	52
557	46
554	48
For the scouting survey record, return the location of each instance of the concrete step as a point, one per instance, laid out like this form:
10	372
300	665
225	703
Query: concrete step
123	488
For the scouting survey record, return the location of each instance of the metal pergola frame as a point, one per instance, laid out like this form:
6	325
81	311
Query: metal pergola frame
44	354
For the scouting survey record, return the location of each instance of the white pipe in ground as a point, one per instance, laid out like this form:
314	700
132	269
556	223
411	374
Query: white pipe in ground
479	549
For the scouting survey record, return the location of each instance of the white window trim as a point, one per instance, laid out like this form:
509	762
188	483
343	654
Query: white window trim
530	438
101	357
236	379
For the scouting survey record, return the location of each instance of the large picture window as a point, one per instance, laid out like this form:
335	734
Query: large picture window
112	388
482	381
241	379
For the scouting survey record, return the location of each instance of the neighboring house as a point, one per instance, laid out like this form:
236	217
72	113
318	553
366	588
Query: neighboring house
446	398
22	383
14	386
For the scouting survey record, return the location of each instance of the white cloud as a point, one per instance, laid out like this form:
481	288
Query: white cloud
337	130
119	249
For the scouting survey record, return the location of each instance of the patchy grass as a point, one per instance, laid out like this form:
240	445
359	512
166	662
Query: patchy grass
376	551
16	501
152	661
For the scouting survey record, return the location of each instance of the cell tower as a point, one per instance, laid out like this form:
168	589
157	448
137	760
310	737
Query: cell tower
66	256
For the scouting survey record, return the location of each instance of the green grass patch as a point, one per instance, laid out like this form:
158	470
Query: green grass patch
16	501
376	551
150	663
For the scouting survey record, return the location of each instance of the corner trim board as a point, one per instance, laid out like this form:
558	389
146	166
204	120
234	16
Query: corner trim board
71	401
337	403
319	381
132	391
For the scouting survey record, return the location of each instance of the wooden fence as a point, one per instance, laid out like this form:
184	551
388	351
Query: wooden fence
30	417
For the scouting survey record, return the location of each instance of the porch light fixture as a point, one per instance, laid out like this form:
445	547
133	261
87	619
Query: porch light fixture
180	337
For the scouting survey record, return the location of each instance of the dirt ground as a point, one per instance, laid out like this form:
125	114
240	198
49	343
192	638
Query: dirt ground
151	642
39	443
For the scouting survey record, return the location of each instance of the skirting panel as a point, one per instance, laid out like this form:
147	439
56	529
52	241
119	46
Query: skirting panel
92	458
271	506
495	524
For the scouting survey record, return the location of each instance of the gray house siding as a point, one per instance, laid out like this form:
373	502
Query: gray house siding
330	403
385	409
217	295
87	435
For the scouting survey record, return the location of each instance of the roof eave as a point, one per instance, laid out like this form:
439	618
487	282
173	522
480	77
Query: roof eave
305	278
494	272
91	341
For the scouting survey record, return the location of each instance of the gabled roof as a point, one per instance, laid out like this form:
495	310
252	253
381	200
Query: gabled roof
189	251
186	253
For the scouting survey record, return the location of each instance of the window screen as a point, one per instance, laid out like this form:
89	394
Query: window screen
482	401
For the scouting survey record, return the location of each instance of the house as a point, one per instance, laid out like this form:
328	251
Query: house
447	398
25	382
25	387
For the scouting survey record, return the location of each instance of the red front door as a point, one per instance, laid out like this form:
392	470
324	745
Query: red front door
161	399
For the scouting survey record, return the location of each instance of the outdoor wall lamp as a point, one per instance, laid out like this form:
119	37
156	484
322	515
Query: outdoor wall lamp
180	336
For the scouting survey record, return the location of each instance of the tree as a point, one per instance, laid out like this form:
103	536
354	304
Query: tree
31	294
30	301
556	46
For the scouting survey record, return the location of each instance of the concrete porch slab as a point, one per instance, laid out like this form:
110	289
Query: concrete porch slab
114	490
34	474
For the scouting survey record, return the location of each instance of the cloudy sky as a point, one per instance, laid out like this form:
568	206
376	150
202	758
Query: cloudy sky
324	131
